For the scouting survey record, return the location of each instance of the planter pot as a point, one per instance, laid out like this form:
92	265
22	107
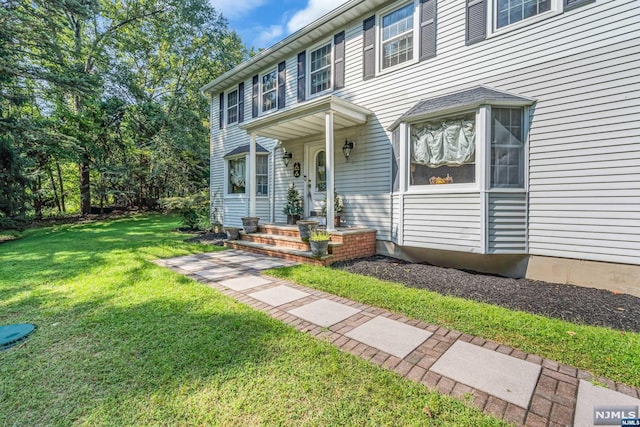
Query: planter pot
232	233
250	224
292	219
319	248
305	228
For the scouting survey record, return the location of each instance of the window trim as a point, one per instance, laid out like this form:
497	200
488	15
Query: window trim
328	41
228	106
261	93
557	8
416	36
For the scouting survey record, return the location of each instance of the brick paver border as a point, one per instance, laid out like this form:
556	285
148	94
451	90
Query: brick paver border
552	404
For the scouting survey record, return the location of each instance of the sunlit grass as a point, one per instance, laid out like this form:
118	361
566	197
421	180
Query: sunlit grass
121	341
604	352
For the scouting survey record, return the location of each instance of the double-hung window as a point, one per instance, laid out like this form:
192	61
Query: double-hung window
269	89
507	147
232	107
397	36
262	175
320	69
511	11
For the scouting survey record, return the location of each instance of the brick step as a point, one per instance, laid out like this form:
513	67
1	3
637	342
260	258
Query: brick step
282	241
279	230
289	254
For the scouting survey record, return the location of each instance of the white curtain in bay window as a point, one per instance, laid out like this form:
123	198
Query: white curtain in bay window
448	142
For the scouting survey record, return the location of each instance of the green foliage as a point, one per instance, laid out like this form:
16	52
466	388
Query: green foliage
294	202
192	209
338	206
319	236
112	87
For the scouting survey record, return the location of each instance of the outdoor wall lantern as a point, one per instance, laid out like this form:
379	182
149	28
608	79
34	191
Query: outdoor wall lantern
346	149
286	157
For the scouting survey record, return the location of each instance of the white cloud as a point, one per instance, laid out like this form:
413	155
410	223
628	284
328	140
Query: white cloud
314	10
267	35
233	9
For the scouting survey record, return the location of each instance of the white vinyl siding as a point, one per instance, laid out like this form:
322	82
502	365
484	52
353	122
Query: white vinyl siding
507	223
583	176
446	221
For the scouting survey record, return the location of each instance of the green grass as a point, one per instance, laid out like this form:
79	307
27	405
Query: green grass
121	341
604	352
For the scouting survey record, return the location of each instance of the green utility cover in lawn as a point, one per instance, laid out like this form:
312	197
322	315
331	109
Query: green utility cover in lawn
11	335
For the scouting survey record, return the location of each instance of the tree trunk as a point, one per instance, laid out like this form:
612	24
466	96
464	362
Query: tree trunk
85	187
62	204
55	190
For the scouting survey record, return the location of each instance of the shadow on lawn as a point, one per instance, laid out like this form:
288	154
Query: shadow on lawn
100	359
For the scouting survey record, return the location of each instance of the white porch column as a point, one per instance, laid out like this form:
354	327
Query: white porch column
329	163
252	175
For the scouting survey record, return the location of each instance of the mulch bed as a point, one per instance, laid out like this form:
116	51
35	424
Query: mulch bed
574	304
216	239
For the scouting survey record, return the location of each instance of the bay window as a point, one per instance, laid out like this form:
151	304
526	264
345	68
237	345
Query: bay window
262	175
237	175
507	147
443	151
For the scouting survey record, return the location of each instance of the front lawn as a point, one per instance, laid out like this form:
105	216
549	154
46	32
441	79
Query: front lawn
121	341
602	351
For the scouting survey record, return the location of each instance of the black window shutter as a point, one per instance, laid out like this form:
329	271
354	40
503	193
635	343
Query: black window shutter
221	112
302	83
254	97
570	4
476	20
338	63
282	78
369	48
427	29
241	102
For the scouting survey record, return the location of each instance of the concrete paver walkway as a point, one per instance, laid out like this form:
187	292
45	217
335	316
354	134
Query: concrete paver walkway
521	388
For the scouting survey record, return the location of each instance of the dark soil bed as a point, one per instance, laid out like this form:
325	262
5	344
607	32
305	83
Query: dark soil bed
216	239
571	303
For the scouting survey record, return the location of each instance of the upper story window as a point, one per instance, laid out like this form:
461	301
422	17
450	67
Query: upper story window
269	91
511	11
320	69
397	36
232	107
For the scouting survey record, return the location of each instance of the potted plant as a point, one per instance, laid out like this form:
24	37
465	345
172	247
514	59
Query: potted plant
305	228
319	242
250	224
338	208
293	208
232	233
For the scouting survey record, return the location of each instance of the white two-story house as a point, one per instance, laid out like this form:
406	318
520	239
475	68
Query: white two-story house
493	135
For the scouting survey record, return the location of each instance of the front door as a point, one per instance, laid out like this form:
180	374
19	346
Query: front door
316	178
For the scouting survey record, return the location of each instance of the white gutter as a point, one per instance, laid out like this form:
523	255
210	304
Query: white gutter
295	41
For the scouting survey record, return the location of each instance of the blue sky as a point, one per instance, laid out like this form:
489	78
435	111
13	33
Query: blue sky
261	23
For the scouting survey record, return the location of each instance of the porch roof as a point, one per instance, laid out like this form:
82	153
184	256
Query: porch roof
307	119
